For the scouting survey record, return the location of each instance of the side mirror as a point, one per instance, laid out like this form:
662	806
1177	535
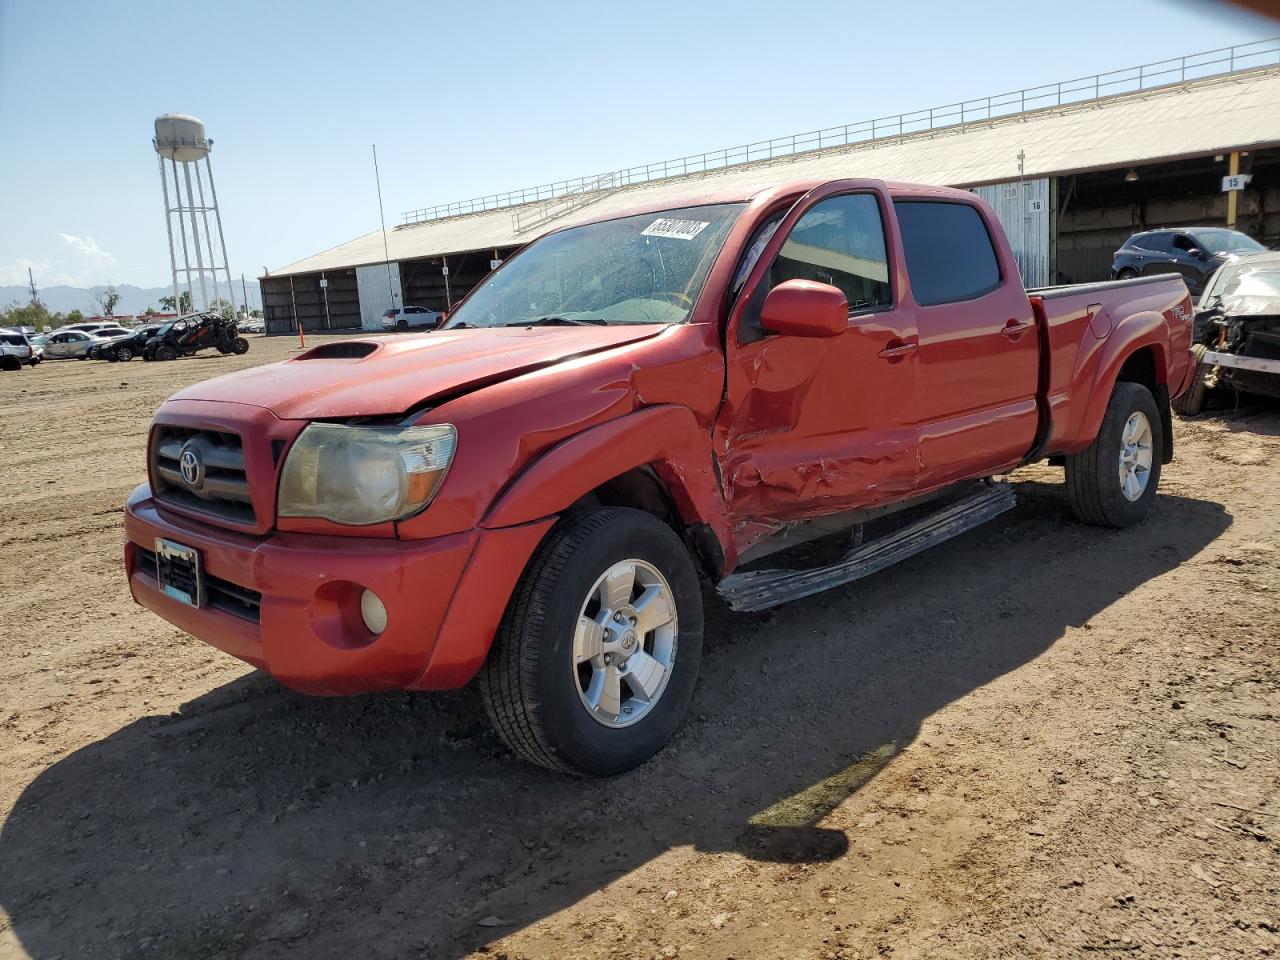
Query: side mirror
804	308
1196	253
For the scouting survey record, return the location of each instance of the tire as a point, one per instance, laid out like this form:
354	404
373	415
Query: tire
10	363
1128	273
239	346
535	688
165	352
1095	477
1191	401
124	354
402	325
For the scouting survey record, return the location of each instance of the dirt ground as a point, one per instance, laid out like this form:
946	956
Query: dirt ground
1040	740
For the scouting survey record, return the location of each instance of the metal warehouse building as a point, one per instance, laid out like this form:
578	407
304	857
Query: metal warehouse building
1072	169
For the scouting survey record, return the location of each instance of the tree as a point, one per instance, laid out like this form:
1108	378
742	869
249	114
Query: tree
75	316
182	305
107	300
224	307
151	311
35	315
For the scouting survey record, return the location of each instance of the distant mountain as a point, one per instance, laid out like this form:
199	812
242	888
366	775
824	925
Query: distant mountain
63	299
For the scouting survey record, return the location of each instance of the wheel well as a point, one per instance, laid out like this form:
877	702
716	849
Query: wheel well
1140	367
642	489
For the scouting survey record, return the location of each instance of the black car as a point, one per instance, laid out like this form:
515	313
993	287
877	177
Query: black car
1194	252
126	348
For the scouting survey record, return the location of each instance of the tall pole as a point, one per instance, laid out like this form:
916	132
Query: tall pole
168	229
1233	168
31	282
244	292
195	236
182	232
208	238
217	216
386	250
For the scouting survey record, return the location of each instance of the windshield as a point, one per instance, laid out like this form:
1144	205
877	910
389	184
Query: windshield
645	269
1249	278
1227	241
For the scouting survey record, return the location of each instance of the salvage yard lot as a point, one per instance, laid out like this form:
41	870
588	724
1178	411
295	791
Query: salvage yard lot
1041	739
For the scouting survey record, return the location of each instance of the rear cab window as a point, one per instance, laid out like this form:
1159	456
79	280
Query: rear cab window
949	252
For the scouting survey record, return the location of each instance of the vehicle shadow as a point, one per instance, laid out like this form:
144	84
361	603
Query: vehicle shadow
257	821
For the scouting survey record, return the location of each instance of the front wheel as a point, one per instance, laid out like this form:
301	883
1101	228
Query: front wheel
1112	482
1128	273
596	658
165	352
124	354
239	346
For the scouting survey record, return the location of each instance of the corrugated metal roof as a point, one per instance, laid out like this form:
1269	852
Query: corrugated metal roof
1192	119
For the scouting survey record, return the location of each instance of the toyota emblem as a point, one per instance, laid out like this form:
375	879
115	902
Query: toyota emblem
192	466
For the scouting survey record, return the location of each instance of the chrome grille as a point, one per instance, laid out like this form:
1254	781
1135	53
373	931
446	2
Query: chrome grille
201	470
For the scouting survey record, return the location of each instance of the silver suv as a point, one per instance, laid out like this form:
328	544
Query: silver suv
16	350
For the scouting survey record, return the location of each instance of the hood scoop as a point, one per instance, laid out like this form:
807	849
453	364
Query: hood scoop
339	350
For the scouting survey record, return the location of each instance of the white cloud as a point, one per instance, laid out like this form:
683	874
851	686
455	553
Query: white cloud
85	264
88	249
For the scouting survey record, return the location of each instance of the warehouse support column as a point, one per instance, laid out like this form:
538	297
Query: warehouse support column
1233	169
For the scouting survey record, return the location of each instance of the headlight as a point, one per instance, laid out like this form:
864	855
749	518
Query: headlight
364	475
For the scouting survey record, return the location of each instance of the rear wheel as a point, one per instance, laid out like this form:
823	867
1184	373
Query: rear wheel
1112	483
596	658
8	362
402	325
1192	400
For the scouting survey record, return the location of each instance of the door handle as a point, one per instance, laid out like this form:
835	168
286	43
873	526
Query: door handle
897	350
1016	328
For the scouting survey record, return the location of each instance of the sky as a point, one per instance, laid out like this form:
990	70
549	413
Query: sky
469	99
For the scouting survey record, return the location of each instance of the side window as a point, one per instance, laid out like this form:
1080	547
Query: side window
1183	243
1159	242
841	242
950	256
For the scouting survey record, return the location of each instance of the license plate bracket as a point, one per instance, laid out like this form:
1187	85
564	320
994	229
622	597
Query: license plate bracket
179	573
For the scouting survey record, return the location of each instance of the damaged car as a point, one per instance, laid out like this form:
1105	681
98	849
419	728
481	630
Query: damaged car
1237	333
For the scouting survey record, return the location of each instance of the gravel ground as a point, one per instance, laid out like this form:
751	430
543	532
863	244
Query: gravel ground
1041	739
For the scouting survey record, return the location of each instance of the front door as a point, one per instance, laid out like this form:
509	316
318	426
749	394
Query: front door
815	426
979	357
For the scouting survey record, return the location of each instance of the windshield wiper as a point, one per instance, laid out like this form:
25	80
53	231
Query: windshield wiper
561	321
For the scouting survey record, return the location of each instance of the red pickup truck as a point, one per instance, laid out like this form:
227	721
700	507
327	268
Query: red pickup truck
626	409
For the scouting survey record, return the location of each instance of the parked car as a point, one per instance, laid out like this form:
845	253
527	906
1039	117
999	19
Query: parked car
124	349
193	333
627	406
65	344
16	350
99	327
1193	253
411	318
1237	332
252	325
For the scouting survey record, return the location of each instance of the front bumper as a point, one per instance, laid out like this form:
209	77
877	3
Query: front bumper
444	599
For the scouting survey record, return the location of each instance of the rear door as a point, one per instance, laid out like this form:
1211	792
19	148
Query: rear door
1158	253
978	357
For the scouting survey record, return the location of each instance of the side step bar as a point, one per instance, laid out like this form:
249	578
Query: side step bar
761	589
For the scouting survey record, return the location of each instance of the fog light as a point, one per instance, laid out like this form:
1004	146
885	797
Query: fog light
373	612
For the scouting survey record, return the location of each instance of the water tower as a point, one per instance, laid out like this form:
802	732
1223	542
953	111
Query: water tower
181	144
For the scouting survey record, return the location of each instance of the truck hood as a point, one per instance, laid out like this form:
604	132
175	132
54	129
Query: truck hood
389	375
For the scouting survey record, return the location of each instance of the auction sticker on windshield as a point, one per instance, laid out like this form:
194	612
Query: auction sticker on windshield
679	229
